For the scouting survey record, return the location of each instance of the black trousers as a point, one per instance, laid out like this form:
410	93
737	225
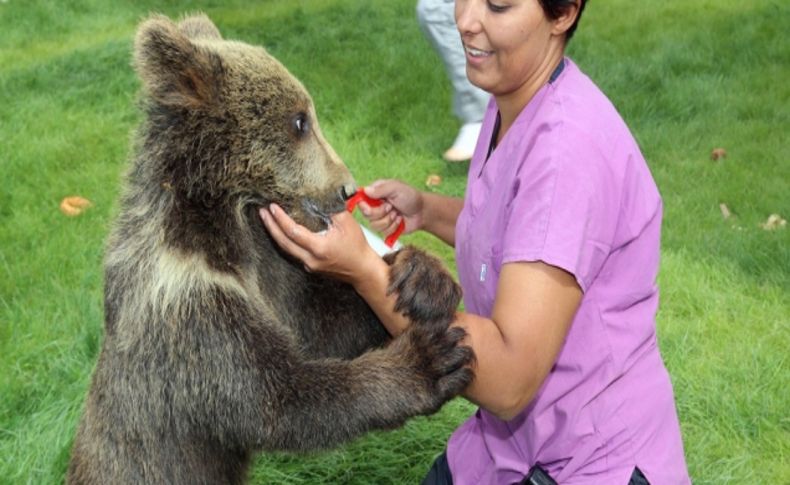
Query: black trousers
439	474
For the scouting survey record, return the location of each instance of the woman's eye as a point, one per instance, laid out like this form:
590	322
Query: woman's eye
301	124
497	8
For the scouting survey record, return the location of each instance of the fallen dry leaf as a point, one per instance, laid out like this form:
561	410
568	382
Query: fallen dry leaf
718	153
725	211
74	205
774	221
433	180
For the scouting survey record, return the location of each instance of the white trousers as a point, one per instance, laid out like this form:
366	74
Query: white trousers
437	20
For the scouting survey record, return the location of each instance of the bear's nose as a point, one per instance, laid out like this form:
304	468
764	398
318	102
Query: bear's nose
347	191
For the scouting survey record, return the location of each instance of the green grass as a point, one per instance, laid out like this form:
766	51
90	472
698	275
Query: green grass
687	77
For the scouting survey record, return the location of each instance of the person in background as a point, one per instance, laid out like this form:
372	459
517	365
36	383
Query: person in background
557	245
437	20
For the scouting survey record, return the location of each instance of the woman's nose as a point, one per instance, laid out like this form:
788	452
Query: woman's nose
467	18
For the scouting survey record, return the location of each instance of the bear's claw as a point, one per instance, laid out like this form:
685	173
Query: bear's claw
426	292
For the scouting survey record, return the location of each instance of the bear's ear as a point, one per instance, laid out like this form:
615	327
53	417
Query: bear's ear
174	71
199	26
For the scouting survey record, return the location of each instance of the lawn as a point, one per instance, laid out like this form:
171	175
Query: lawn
687	76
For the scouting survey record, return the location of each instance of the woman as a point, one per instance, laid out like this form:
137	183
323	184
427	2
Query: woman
557	247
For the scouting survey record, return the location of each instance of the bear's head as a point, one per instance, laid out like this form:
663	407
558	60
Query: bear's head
228	125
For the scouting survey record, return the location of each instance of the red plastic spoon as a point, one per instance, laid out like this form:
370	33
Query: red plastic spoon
360	195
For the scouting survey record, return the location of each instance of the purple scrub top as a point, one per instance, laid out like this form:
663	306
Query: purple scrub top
568	186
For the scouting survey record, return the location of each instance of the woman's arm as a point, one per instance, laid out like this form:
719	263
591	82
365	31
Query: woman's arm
343	253
515	349
440	214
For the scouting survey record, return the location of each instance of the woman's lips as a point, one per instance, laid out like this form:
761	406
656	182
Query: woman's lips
476	56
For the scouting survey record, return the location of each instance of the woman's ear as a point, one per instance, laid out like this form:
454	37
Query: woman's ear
566	18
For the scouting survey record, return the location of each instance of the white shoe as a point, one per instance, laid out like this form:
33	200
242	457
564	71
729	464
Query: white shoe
464	145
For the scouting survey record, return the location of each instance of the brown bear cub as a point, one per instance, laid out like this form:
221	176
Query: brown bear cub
216	344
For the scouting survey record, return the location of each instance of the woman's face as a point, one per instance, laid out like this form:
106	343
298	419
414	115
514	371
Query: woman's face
506	42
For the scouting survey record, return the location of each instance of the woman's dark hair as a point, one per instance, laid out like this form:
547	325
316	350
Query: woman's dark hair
555	8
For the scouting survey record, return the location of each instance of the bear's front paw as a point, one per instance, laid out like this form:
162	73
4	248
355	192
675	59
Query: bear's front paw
427	293
442	360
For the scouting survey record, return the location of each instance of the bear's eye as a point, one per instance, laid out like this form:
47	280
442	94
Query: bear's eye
301	124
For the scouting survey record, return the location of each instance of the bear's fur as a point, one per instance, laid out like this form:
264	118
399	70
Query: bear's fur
216	344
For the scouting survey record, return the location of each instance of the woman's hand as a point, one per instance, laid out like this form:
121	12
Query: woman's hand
434	213
341	252
401	203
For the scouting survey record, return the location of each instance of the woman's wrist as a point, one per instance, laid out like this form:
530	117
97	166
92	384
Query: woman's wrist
372	287
370	265
372	278
438	215
423	204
